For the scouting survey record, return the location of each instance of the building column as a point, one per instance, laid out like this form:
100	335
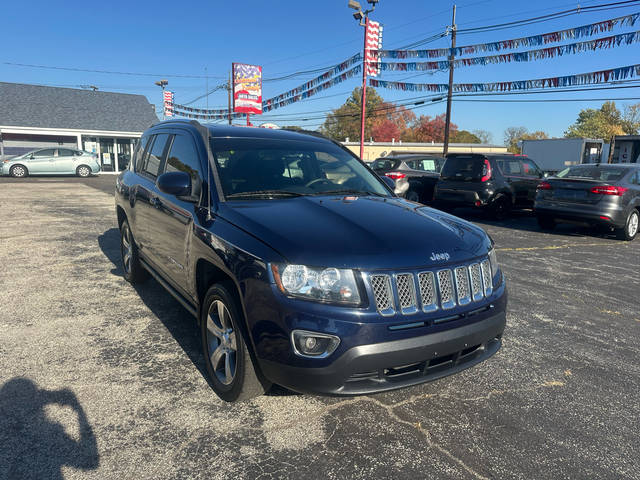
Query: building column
79	142
115	155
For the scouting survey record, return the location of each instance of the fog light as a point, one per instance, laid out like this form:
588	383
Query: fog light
313	344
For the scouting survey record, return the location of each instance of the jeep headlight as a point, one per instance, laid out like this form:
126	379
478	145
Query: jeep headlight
331	285
493	260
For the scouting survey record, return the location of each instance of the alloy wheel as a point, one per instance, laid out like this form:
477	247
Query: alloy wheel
127	249
83	171
221	342
632	227
18	171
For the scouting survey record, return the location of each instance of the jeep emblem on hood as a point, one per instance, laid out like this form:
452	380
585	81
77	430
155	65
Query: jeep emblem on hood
440	256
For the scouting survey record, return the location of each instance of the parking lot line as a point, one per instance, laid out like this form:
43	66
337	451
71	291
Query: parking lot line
559	247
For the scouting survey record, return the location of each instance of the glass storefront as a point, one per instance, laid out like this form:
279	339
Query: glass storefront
114	153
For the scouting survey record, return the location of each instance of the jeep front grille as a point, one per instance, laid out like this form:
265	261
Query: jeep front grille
408	292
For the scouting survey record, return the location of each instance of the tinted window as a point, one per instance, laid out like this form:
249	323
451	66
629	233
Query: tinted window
594	172
463	167
385	164
154	159
425	164
63	152
49	152
529	168
635	178
138	153
184	157
304	167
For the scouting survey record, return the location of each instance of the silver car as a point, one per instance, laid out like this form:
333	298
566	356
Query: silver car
51	161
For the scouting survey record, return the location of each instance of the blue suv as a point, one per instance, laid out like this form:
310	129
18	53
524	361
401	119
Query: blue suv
301	266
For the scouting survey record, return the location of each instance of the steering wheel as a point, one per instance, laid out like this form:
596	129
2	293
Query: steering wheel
318	180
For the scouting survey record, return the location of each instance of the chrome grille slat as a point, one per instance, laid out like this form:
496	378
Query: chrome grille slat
462	285
381	286
406	288
426	281
445	285
476	282
487	278
407	293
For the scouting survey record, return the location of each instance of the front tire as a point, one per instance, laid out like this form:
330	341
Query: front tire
83	171
630	229
18	171
229	364
134	272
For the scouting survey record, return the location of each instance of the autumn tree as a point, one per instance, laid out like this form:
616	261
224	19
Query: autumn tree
464	136
484	136
427	129
513	135
604	123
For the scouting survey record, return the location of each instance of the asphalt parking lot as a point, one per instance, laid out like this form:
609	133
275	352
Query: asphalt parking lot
99	379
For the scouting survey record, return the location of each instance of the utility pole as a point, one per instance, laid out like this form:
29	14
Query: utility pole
230	92
445	148
162	83
206	76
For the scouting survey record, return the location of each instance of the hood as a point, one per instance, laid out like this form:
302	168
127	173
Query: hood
367	233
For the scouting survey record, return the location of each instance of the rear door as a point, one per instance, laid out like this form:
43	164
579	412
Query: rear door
146	198
512	171
532	175
65	161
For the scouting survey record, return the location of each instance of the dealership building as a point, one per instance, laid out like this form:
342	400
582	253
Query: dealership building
106	123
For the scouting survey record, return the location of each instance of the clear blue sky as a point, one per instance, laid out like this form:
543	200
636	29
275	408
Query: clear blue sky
184	38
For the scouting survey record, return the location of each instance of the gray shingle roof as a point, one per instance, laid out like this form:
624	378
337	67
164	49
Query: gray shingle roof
25	105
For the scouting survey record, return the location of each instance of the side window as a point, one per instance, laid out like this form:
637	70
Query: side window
529	169
512	167
136	161
429	165
635	178
63	152
49	152
184	158
155	155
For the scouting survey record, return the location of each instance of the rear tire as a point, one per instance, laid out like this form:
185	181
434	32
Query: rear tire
134	272
83	171
18	171
500	208
229	364
630	229
546	223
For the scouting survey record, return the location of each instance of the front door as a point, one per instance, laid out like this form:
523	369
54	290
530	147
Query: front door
174	215
42	161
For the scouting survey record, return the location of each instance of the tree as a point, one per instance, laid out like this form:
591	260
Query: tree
385	131
344	121
631	119
513	135
427	129
604	123
463	136
484	136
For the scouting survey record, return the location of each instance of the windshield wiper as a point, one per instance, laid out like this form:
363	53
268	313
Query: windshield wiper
266	193
352	191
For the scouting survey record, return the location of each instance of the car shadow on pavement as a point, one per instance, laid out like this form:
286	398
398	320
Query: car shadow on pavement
180	323
33	445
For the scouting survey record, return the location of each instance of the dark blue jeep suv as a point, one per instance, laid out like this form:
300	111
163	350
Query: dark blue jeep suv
301	266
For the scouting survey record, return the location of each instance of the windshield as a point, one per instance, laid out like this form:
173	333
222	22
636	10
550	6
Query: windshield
256	167
593	172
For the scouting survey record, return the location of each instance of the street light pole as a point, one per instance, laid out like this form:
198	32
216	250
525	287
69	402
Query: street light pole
162	84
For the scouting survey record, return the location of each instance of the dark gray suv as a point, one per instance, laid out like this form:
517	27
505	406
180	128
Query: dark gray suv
599	195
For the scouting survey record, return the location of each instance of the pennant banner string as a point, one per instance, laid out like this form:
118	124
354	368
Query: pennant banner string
602	76
528	56
532	41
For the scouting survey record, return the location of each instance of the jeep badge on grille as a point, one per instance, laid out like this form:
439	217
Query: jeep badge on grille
440	256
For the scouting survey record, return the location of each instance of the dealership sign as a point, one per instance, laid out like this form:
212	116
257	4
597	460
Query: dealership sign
247	88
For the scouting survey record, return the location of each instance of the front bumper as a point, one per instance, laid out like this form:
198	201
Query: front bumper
395	364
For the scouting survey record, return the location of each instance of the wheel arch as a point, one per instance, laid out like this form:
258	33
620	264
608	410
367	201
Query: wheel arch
122	216
19	165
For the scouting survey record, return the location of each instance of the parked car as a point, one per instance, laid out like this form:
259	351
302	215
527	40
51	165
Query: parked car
599	195
301	266
496	183
51	161
414	175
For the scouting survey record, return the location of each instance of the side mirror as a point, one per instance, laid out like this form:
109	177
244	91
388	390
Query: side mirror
175	183
390	183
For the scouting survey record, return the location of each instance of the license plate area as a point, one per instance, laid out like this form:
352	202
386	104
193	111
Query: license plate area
570	194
